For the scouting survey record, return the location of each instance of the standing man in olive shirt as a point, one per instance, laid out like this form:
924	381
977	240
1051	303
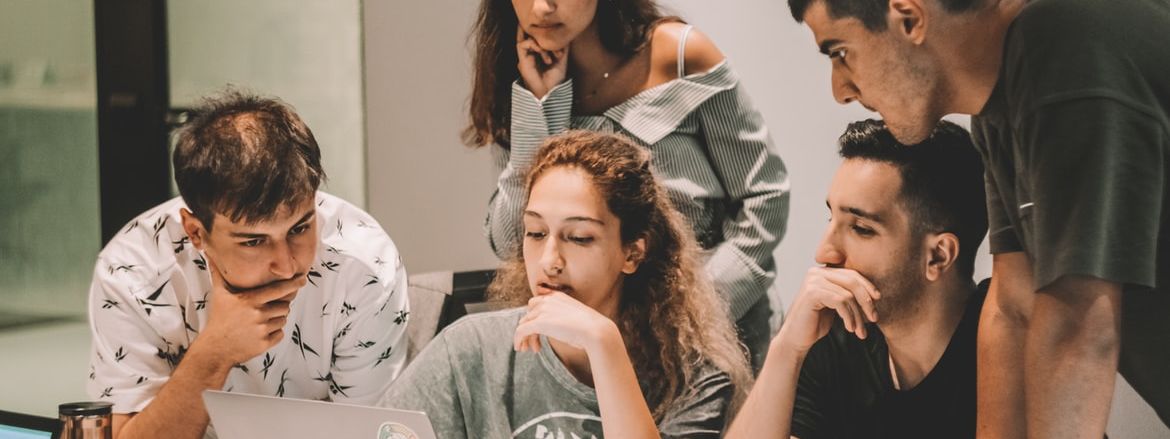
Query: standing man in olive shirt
1070	99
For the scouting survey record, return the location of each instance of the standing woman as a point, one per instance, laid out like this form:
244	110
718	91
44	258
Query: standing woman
620	66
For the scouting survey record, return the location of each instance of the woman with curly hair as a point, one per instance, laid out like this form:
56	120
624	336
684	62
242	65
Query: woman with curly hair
618	333
622	66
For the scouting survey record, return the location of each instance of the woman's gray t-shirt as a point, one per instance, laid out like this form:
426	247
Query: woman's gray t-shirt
471	383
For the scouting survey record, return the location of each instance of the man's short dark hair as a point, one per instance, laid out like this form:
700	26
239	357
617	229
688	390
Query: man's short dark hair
942	180
245	157
872	13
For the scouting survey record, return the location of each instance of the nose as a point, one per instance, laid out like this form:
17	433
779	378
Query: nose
829	252
283	263
844	91
543	7
551	260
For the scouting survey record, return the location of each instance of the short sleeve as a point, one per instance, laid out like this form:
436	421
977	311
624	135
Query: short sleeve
129	361
1001	234
370	346
810	410
702	411
1095	168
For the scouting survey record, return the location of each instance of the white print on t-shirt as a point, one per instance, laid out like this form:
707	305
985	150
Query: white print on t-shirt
552	426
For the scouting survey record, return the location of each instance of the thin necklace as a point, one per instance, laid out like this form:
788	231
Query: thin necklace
604	78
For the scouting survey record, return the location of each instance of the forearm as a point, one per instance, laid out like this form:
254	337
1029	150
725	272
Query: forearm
740	280
1071	358
504	216
1003	329
755	178
767	413
177	411
624	412
1000	358
533	120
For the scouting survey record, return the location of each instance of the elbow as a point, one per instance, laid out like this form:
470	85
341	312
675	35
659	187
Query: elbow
1081	315
1009	306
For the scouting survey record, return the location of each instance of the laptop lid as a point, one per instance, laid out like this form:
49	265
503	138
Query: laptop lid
243	416
21	426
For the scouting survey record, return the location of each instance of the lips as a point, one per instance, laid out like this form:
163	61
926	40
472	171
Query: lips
546	26
543	288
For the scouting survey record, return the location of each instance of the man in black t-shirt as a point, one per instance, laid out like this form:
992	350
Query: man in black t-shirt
880	340
1071	100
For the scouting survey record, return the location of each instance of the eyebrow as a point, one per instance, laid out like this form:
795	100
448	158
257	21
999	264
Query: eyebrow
572	218
858	212
828	44
303	220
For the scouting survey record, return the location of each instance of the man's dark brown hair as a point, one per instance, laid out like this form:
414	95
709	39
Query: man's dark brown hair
245	157
872	13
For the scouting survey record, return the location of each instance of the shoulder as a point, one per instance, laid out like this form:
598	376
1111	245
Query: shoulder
351	235
1073	43
1048	24
144	253
485	325
484	336
701	52
712	378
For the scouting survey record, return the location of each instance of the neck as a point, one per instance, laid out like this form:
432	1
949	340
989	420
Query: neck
972	53
575	360
588	58
916	342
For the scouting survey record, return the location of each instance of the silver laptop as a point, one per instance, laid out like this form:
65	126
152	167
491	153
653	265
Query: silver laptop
243	416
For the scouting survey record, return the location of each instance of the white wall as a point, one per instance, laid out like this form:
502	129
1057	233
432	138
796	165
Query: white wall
431	193
428	190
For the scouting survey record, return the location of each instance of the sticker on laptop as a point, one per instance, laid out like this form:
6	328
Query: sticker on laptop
394	430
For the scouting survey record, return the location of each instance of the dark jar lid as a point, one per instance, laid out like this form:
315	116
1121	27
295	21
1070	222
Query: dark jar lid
93	408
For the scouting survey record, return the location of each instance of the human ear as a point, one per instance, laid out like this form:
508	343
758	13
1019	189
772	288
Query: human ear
909	18
194	228
941	255
635	253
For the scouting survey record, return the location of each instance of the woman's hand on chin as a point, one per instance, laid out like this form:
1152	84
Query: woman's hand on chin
540	69
562	317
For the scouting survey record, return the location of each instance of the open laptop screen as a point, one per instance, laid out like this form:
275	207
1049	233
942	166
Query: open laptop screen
10	432
20	426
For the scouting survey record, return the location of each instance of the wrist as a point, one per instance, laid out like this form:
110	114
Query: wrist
605	335
782	346
203	356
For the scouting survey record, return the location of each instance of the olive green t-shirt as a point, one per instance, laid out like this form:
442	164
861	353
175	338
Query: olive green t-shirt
472	384
1076	144
1076	141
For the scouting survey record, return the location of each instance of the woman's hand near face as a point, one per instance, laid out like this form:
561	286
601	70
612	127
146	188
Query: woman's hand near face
540	69
564	318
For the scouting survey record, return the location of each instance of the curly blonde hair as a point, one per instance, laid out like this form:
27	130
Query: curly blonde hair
665	311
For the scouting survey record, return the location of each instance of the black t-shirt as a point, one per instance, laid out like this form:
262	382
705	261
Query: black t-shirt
845	389
1076	143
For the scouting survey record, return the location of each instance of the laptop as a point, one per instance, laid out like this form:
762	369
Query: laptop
21	426
243	416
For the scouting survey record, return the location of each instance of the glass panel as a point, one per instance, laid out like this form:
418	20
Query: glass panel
49	215
303	51
49	218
